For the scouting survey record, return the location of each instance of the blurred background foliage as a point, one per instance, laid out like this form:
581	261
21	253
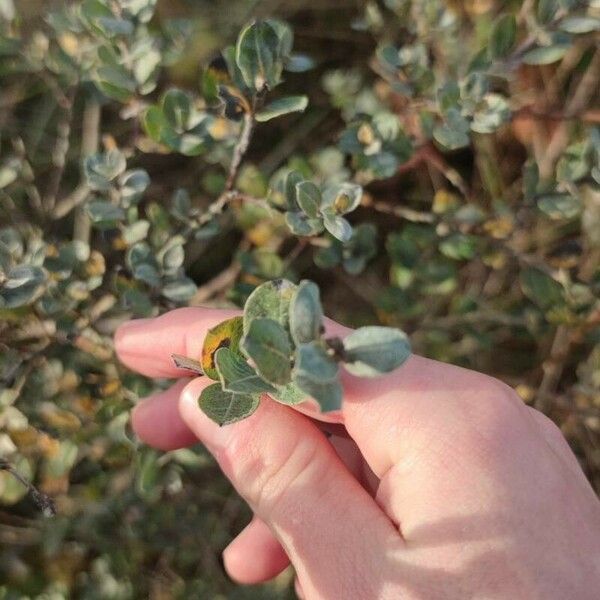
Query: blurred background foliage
473	129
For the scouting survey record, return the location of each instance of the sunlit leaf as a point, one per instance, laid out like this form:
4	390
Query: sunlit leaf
225	335
225	408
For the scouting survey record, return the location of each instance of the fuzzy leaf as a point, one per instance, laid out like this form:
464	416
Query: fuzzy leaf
542	289
272	300
267	344
237	375
316	373
306	313
338	227
226	407
371	351
282	106
308	197
225	335
256	55
302	225
289	394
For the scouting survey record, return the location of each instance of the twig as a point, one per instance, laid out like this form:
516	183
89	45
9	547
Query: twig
398	211
240	149
59	153
43	501
89	145
553	367
73	200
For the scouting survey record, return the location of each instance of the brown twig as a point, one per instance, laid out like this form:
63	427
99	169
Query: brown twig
89	145
43	501
553	367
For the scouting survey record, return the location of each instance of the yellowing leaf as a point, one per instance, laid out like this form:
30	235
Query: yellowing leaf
225	335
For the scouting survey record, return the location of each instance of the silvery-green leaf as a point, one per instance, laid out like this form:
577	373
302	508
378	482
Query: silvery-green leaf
267	344
560	206
282	106
546	55
177	109
302	225
299	63
179	290
338	227
316	373
494	113
237	375
105	214
226	407
289	394
272	300
306	313
308	198
292	179
256	55
22	285
371	351
133	184
100	169
580	24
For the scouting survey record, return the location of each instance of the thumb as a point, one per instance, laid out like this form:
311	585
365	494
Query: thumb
284	467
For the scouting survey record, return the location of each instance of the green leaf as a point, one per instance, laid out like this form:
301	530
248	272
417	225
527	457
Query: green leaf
308	198
302	225
282	106
459	246
105	214
237	375
227	334
338	227
316	373
560	206
177	109
181	289
306	313
371	351
578	25
546	55
22	286
299	63
256	55
292	179
494	112
504	36
271	300
542	289
267	344
154	122
100	169
226	407
289	394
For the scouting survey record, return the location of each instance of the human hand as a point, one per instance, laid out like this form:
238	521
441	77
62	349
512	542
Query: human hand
448	487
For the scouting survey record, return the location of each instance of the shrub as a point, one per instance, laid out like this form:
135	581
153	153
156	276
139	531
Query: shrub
431	165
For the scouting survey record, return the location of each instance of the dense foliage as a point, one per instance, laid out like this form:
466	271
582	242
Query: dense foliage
431	165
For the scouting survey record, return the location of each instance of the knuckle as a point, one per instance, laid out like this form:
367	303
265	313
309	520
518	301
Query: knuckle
270	475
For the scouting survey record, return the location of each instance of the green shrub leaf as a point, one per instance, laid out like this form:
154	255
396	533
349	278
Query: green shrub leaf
224	407
371	351
282	106
306	313
237	375
271	300
316	373
267	344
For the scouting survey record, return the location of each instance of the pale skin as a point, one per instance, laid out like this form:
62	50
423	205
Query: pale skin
448	486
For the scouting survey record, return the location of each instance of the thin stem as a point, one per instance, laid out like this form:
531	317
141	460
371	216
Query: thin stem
43	501
240	150
89	145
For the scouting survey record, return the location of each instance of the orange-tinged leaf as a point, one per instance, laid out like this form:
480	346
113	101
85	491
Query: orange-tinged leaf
225	335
